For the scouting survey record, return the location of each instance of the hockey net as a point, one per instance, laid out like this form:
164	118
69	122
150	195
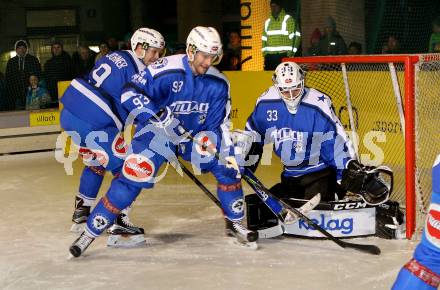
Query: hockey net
389	106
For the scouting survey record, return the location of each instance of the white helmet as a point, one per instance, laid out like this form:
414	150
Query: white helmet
147	37
289	77
205	39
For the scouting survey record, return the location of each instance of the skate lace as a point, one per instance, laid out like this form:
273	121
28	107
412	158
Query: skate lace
84	241
126	220
240	228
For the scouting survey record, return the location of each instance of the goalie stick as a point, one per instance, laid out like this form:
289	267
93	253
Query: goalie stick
252	180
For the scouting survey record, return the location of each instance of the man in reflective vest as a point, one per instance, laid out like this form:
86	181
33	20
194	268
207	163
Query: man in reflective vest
281	36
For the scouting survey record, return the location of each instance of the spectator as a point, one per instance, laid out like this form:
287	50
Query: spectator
314	43
58	68
37	96
434	40
179	48
232	54
392	45
103	50
18	70
332	42
127	41
3	96
113	44
281	36
355	48
83	60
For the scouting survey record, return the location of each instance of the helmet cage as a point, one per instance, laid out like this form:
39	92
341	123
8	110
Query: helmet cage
288	79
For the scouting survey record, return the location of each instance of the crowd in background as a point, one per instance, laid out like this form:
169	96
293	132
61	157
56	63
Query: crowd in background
29	85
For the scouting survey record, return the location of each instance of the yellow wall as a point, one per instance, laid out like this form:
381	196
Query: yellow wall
372	96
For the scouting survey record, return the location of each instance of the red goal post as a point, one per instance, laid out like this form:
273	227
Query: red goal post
390	101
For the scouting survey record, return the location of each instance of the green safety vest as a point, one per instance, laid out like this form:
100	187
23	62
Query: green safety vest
281	35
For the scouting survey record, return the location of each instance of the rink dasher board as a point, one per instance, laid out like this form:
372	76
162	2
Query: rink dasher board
24	139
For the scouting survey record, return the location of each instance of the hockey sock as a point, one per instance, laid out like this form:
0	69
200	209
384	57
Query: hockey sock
90	183
231	199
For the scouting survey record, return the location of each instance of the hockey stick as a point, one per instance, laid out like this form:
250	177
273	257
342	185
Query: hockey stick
274	231
200	184
252	180
259	188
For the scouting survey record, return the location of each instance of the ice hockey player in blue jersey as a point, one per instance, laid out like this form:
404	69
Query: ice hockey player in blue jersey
95	119
422	272
307	136
180	90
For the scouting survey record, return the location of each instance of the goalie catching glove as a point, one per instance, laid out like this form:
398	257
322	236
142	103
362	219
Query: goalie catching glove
373	184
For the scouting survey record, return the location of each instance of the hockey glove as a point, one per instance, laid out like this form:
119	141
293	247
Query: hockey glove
234	169
168	125
373	185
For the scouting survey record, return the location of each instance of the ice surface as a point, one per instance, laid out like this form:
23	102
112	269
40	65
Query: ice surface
186	245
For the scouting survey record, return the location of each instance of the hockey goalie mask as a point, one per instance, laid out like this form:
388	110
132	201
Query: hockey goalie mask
148	37
205	40
288	79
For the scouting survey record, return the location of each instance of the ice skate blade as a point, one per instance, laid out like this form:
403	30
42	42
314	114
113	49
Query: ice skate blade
77	228
131	241
245	245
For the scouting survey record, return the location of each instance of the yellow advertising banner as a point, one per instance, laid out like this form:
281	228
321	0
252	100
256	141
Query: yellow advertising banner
253	14
44	118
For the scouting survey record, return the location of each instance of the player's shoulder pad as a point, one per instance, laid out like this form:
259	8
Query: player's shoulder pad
168	64
214	73
123	59
270	95
319	101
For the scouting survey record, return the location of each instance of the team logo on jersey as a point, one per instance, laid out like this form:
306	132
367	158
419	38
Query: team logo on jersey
237	206
160	63
286	134
99	222
119	147
432	230
93	157
138	168
188	107
204	144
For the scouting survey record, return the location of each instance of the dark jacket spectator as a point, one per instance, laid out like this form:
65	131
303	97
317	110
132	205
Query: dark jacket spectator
18	70
354	48
314	48
332	42
392	46
58	68
103	50
3	95
232	54
83	60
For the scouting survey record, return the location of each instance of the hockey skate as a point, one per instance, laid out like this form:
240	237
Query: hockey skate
242	236
124	234
80	245
79	216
